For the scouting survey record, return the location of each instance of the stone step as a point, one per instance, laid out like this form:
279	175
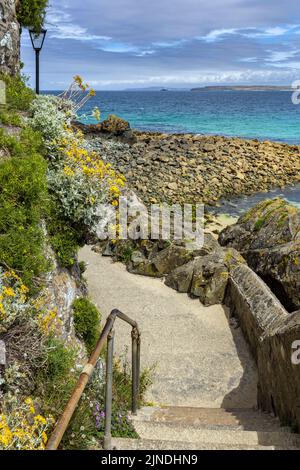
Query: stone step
176	432
210	418
156	444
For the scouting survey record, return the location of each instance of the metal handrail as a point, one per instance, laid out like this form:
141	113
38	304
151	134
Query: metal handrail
107	334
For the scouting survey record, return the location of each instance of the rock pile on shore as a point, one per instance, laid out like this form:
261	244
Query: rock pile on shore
191	168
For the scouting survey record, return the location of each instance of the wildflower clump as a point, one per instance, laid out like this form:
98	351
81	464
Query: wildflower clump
23	428
13	298
80	182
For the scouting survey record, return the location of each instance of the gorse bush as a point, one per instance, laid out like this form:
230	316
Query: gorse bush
18	95
87	322
31	13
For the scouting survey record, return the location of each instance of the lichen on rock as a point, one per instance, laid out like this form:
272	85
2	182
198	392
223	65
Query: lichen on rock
9	38
268	237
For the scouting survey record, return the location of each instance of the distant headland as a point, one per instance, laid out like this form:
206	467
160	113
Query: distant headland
243	88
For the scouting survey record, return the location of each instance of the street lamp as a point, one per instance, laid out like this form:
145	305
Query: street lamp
37	40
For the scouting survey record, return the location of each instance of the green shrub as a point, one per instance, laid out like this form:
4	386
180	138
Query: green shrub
10	118
82	267
18	95
23	194
56	379
31	13
87	322
64	238
55	383
28	143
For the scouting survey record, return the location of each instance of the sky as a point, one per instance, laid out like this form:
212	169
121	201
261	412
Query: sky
121	44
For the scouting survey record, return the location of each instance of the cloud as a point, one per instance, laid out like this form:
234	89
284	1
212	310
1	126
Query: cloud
217	34
249	32
60	26
281	56
128	42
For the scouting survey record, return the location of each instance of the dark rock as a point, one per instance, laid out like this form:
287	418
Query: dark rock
210	279
268	237
206	276
115	125
181	278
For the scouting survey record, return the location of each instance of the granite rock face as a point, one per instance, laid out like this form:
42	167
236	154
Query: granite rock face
273	335
9	38
268	237
206	276
200	271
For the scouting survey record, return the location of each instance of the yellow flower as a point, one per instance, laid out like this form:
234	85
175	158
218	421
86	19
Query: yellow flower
68	171
78	79
9	292
24	289
2	311
29	403
39	419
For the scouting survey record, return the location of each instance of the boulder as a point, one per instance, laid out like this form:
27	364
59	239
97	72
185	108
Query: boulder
268	237
210	279
111	128
118	127
171	258
181	278
206	276
115	125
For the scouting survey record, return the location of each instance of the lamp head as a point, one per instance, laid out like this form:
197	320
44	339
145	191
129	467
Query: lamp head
37	38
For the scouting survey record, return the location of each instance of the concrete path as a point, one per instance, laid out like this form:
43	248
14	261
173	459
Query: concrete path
200	361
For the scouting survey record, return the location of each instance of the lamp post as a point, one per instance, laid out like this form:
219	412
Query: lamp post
37	40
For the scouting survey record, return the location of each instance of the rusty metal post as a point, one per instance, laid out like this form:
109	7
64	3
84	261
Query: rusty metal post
134	336
108	393
138	367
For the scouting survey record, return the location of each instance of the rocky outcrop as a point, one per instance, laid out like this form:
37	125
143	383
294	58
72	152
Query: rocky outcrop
113	127
272	334
268	237
61	288
192	168
9	38
206	276
200	271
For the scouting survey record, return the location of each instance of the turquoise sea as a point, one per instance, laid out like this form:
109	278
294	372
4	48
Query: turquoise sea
254	114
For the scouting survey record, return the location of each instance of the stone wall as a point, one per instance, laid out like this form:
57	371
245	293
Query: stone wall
9	38
270	331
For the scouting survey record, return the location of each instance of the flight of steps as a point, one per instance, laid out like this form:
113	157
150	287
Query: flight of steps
184	428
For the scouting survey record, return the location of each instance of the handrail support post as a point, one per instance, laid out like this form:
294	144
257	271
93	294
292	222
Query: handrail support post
108	393
135	338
